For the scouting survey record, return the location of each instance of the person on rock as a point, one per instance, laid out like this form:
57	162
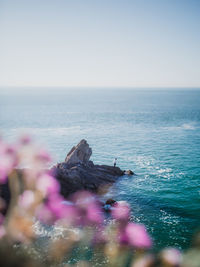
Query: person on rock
115	162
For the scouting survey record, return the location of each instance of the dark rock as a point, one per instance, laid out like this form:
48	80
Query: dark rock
108	206
110	201
77	172
80	173
85	177
129	172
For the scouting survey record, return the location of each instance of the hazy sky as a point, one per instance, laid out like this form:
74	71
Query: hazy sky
144	43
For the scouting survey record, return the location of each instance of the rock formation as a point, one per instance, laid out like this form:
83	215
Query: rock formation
77	172
79	154
129	172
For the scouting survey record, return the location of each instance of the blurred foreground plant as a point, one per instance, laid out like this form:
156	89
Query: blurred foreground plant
85	238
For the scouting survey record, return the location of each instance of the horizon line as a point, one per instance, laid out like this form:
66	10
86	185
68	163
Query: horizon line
99	87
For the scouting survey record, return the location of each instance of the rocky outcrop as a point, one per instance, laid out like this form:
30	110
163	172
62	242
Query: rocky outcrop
85	177
79	154
77	172
129	172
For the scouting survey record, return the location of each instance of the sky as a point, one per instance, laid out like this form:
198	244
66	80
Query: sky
100	43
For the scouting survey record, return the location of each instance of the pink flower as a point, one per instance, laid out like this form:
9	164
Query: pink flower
8	160
83	198
54	204
47	184
122	236
137	236
26	199
171	256
3	174
11	151
144	261
88	207
25	140
121	211
99	236
69	212
54	209
43	156
44	214
2	231
94	213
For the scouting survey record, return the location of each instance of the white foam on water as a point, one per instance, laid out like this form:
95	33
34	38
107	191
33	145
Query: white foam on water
142	161
166	170
187	126
50	130
184	126
168	218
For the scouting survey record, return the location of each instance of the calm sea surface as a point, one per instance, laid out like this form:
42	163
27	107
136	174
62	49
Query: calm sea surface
155	133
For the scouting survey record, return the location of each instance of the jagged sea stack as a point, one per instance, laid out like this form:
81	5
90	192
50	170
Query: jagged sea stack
79	154
78	172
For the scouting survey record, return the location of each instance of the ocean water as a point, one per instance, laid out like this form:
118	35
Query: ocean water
155	133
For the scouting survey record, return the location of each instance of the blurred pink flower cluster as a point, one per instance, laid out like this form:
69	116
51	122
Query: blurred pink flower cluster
130	233
35	194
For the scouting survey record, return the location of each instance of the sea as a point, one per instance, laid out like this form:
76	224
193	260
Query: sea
153	132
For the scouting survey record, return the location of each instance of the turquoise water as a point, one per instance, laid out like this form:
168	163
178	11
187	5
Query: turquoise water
154	133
